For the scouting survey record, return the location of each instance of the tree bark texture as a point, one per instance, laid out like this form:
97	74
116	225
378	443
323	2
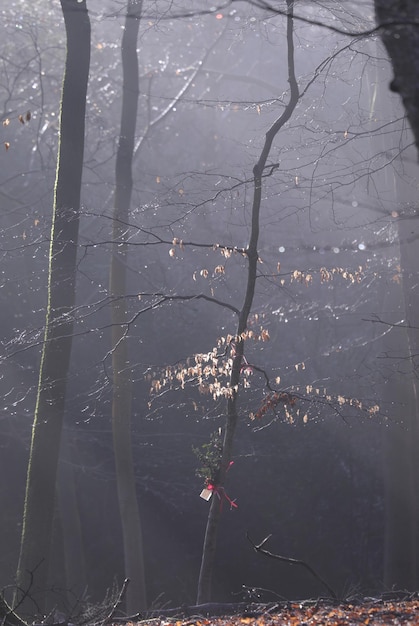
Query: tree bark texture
49	410
400	522
400	33
402	480
259	170
121	389
400	344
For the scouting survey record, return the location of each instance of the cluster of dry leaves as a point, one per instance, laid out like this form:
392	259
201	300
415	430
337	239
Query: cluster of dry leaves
370	613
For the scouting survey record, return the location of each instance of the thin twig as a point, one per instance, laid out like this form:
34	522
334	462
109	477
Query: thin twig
117	602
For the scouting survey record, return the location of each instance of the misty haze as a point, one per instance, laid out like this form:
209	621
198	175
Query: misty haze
208	245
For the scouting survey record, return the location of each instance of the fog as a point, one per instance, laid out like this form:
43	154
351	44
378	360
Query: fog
332	318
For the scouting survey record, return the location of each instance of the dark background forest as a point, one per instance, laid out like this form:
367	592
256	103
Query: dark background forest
328	464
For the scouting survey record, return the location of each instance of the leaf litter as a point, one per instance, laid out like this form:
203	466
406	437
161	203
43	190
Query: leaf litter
370	612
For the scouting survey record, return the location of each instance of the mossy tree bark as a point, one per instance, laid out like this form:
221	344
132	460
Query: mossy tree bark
259	171
121	402
49	411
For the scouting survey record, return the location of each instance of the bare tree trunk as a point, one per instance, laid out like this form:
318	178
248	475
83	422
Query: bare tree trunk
121	405
259	170
401	39
400	523
400	344
49	411
402	476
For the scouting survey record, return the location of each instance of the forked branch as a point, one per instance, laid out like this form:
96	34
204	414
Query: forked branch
8	617
259	548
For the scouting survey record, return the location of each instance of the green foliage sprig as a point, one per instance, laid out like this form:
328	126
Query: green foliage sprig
209	455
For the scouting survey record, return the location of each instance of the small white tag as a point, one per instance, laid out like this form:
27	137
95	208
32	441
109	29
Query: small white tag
206	494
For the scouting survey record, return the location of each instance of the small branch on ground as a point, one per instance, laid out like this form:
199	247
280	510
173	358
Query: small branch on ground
7	615
117	603
284	559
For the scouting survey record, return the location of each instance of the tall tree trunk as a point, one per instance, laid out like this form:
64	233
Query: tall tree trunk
49	411
399	381
402	480
210	541
121	404
400	451
401	39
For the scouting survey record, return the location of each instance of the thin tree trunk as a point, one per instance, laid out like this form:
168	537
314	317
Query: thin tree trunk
210	541
49	411
121	404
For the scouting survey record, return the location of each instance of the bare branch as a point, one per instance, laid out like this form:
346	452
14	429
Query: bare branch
117	603
284	559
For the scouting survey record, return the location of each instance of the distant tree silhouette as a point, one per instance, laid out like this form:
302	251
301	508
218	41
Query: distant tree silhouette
121	372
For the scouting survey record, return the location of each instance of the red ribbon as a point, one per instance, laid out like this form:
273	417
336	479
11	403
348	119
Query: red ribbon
221	492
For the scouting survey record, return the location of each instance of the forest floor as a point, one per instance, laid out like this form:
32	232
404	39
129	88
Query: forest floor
369	611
